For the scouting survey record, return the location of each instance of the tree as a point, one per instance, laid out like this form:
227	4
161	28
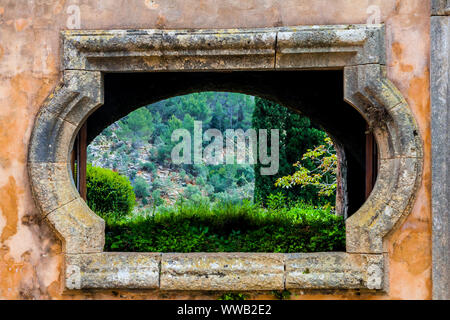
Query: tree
166	145
218	117
138	125
297	135
196	105
323	176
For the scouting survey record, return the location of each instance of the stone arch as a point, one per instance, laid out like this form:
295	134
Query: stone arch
357	50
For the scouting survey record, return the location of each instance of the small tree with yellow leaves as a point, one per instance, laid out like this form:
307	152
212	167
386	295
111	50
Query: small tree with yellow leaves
324	174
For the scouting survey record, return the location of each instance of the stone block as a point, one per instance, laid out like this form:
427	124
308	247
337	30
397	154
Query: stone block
404	132
86	50
170	50
391	198
81	94
52	139
334	270
112	270
440	131
232	49
81	230
222	271
363	236
330	46
52	185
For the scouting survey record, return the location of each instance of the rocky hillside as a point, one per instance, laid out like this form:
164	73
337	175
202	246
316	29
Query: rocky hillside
103	152
139	146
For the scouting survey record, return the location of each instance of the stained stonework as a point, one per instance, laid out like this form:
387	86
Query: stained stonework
223	271
32	259
357	49
113	270
334	270
440	99
440	7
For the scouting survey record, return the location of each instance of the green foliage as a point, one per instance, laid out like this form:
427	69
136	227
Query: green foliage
297	135
234	296
282	295
156	196
192	191
141	188
222	110
138	125
149	167
155	124
276	201
323	176
225	227
108	192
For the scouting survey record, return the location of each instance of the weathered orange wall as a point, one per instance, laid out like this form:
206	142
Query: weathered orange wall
30	259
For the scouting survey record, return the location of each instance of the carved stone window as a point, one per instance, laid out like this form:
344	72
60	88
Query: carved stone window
357	50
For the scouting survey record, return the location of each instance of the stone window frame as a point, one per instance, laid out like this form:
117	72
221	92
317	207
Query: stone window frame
358	50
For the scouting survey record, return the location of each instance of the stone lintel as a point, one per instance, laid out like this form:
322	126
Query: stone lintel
230	49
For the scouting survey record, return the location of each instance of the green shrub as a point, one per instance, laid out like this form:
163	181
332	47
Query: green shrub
227	227
141	188
190	191
276	201
109	193
157	184
149	167
157	200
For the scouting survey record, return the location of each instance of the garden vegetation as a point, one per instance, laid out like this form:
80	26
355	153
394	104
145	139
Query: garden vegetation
214	208
227	227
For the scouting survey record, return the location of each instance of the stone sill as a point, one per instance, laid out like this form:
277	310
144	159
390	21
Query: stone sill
224	271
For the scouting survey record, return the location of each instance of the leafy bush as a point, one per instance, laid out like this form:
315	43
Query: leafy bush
227	227
276	201
149	167
157	200
108	192
232	196
191	191
141	189
157	183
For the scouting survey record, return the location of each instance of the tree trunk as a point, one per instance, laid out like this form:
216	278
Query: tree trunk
341	188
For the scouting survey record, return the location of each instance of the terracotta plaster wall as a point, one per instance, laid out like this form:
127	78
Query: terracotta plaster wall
30	259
